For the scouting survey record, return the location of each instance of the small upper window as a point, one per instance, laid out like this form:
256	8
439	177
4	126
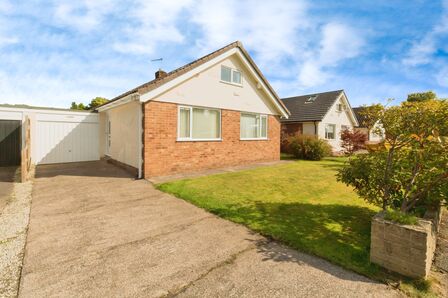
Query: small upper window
230	75
340	107
226	74
236	77
311	99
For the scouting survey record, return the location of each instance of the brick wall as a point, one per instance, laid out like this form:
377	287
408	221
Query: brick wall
165	156
294	129
288	130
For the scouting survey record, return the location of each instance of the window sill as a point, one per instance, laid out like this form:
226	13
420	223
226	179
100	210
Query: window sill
230	83
199	140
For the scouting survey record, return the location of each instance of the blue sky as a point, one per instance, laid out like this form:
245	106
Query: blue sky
56	52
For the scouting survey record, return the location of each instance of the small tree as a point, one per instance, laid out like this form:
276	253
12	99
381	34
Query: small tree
422	96
369	117
352	141
411	169
78	106
94	103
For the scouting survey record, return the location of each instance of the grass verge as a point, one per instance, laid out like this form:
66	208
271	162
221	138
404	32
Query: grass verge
300	204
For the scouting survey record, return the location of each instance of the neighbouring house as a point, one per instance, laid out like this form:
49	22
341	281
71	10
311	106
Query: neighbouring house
214	112
372	135
323	115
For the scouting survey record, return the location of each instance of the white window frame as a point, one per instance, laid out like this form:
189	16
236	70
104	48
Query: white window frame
259	130
232	70
334	131
190	138
341	107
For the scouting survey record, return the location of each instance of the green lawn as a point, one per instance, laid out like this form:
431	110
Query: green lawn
299	203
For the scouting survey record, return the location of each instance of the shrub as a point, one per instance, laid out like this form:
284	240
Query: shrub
352	141
309	147
409	172
400	217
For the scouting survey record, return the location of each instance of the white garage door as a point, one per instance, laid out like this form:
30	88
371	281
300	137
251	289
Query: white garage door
66	138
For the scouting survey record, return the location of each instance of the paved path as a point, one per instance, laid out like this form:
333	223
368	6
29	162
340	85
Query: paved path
94	231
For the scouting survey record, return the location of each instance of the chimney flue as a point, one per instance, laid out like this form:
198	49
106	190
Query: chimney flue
160	74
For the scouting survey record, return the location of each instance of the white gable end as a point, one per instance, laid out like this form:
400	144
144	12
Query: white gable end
339	119
206	89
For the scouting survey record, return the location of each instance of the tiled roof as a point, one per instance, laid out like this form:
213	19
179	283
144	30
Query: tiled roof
151	85
303	109
359	116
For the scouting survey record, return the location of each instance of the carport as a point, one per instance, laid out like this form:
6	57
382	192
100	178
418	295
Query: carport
46	136
10	142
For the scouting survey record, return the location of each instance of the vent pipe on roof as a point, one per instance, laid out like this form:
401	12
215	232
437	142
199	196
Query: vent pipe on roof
160	74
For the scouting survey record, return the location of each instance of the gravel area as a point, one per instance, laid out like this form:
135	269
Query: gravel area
13	229
441	259
440	268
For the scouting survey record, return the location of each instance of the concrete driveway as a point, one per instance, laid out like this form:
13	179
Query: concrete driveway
94	231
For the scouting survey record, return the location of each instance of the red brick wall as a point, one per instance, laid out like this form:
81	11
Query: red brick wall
293	129
165	156
288	130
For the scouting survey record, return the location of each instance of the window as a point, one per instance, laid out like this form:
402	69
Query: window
340	107
226	74
312	98
236	77
253	126
230	75
199	124
330	130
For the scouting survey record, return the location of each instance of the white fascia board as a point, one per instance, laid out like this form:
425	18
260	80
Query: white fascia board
10	115
263	85
171	84
120	102
46	111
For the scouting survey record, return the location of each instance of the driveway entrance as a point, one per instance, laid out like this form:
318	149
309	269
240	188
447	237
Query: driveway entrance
95	231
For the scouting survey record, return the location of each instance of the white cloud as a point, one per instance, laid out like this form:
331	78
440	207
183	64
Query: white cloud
84	15
5	40
5	6
422	51
442	77
269	29
339	42
6	35
156	23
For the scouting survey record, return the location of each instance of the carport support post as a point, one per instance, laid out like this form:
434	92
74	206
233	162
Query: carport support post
140	140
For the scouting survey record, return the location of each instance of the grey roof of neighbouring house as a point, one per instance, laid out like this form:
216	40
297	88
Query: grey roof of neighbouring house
359	116
303	111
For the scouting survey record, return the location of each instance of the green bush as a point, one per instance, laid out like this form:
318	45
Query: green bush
400	217
309	147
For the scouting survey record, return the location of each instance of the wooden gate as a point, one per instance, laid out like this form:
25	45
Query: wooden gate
10	142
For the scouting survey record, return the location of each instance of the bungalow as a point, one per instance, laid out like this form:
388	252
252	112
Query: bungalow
323	115
214	112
